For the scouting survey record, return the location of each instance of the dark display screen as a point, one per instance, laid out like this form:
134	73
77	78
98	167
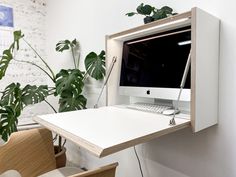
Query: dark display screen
157	60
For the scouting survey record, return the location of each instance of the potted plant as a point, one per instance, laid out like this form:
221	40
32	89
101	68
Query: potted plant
152	13
67	85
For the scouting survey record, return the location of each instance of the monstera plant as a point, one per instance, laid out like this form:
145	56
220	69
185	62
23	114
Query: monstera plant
152	13
68	84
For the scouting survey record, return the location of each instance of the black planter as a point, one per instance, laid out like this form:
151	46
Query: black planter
148	20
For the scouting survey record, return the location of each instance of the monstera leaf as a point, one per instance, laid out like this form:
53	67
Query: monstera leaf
11	105
71	79
8	121
17	36
167	9
4	62
66	45
10	94
12	97
130	14
69	85
95	65
31	94
144	9
159	14
7	55
164	12
70	101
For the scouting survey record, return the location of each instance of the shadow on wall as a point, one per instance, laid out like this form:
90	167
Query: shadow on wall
183	151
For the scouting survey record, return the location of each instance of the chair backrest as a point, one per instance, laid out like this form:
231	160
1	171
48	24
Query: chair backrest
105	171
29	152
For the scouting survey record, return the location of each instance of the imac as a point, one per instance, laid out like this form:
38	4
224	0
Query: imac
153	66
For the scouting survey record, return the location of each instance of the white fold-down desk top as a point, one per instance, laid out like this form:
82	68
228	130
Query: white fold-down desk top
106	130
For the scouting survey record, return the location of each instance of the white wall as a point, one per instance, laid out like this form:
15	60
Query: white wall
210	153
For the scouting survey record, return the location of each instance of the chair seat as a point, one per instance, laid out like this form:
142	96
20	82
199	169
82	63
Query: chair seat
10	173
62	172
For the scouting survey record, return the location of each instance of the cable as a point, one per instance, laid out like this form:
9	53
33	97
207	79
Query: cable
64	143
55	138
140	166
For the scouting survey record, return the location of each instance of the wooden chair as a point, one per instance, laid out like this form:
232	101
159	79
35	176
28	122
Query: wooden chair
31	153
105	171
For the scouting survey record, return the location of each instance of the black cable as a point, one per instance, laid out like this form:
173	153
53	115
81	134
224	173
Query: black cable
64	143
55	138
139	163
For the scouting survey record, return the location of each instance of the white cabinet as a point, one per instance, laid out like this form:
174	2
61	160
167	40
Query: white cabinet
204	62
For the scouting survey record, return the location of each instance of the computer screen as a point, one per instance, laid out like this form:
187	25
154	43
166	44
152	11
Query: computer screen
156	61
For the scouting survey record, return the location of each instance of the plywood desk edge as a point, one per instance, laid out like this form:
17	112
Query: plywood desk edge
100	152
65	134
143	139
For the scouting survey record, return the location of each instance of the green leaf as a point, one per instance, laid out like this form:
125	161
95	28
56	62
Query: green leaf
159	14
144	9
63	45
167	9
70	101
130	14
71	79
95	65
4	62
66	45
11	93
8	53
164	12
11	105
74	42
17	36
8	121
12	97
31	94
69	85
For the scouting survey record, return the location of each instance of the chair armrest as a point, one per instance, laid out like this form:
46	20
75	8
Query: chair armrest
105	171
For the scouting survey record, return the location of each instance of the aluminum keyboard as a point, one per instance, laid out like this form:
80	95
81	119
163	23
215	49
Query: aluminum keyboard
148	107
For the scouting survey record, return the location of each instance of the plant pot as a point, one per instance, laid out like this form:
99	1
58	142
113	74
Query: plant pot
60	157
148	20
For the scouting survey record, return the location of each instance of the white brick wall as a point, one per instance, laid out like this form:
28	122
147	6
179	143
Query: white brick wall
29	16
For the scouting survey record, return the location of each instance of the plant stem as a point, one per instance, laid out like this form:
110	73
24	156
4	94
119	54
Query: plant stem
53	75
73	55
50	94
51	106
37	67
85	76
51	90
78	60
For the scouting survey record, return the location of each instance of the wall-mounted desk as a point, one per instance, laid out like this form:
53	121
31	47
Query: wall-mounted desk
110	129
107	130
